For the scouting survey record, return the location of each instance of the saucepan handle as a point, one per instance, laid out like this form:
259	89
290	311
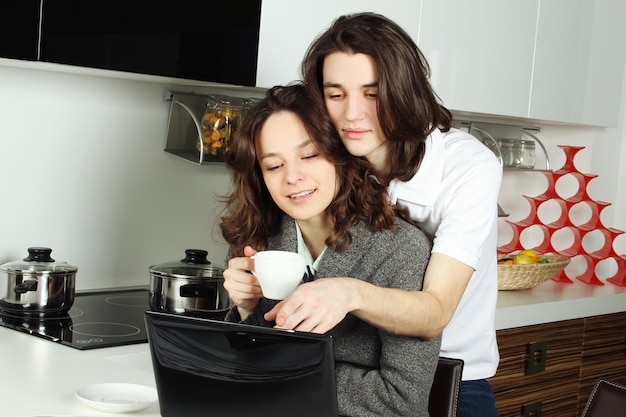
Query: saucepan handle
26	286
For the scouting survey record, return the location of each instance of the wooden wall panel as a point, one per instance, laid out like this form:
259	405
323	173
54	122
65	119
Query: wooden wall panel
604	353
556	387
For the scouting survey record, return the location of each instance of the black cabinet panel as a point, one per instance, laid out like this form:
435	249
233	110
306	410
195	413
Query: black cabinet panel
206	40
19	29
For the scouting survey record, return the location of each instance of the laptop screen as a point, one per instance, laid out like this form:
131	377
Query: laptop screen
205	367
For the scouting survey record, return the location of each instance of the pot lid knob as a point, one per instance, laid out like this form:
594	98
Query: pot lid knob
196	256
39	254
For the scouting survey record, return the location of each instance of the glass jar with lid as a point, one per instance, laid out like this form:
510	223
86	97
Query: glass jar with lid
517	153
524	154
220	121
506	152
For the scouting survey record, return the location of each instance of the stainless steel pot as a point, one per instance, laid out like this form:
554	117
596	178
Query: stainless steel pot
37	285
191	286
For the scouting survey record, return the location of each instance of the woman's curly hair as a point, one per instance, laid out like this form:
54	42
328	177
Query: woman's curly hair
251	217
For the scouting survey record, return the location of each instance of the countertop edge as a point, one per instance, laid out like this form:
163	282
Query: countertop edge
554	301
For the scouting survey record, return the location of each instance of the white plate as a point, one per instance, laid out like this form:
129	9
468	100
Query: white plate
117	398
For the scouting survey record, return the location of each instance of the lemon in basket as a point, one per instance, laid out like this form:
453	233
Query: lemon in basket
525	257
529	252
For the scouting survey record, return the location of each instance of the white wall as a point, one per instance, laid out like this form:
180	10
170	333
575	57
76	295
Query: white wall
82	171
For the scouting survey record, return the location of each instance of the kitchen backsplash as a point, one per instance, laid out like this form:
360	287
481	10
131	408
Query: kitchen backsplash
84	172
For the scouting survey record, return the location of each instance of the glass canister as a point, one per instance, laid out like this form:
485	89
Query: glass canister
506	151
517	153
524	154
220	121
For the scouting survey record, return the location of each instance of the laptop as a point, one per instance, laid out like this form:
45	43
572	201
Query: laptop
205	367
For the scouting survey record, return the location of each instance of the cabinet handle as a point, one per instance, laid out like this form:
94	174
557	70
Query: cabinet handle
536	357
532	409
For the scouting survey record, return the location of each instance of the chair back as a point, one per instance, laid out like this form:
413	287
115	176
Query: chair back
607	399
446	389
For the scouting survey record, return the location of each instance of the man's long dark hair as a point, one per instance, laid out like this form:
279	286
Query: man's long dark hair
408	108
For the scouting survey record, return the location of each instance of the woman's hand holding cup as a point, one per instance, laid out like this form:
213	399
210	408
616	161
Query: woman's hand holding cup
243	287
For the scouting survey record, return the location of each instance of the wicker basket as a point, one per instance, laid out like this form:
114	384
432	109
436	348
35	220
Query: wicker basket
523	277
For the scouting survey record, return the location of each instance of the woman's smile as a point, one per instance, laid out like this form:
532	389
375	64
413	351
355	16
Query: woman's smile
302	194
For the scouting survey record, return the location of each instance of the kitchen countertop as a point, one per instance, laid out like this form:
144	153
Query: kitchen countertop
39	377
555	301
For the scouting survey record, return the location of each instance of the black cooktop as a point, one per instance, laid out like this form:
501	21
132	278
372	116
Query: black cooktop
96	320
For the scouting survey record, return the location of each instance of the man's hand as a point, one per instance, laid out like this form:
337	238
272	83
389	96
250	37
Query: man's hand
316	306
243	288
320	305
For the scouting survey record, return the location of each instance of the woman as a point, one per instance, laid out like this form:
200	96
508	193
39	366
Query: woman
296	189
374	82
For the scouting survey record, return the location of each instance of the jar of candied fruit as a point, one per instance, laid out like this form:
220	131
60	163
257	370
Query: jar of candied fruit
219	123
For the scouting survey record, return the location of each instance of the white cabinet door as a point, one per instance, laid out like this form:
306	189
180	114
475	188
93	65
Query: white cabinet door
480	53
579	62
288	27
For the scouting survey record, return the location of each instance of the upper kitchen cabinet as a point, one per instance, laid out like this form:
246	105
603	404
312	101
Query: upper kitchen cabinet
207	40
547	60
480	53
579	62
19	29
288	27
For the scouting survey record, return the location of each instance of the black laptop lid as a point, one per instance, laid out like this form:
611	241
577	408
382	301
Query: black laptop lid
206	367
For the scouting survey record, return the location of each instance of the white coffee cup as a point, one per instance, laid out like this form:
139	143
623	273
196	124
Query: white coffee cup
278	272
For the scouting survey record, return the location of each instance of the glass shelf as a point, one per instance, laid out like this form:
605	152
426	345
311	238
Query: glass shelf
184	131
488	132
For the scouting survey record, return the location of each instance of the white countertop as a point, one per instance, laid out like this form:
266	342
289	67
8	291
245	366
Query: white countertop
39	377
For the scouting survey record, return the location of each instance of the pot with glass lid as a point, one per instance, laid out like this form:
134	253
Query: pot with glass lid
192	286
37	284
